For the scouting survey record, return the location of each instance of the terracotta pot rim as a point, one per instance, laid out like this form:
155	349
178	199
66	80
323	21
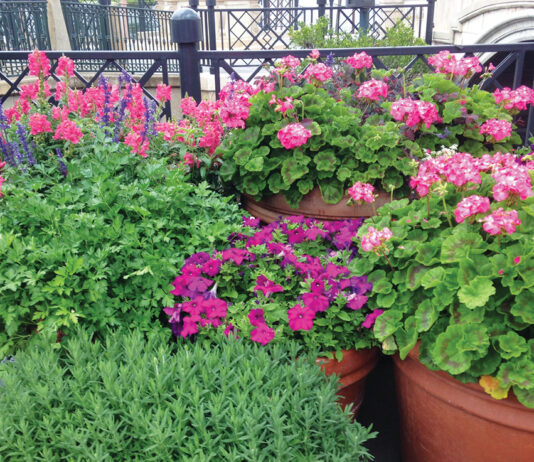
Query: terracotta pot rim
475	396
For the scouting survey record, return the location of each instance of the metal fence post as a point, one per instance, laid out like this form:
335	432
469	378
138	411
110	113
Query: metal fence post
186	30
321	4
429	21
193	4
211	24
364	20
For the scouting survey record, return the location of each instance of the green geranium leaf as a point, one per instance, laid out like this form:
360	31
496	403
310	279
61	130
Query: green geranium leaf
386	300
343	174
227	170
525	396
305	186
524	306
276	184
331	190
425	315
251	135
433	277
292	170
477	292
326	161
387	324
255	164
459	245
414	276
406	337
511	345
242	155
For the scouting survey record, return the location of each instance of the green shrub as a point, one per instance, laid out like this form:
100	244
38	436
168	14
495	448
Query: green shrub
321	35
101	245
128	399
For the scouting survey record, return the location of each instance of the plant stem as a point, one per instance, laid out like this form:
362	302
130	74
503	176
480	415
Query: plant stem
446	211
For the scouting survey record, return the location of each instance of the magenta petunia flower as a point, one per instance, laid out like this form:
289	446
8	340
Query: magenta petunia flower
371	318
199	284
262	334
230	329
356	301
317	286
236	255
267	286
300	317
256	317
315	301
215	308
211	267
191	270
189	328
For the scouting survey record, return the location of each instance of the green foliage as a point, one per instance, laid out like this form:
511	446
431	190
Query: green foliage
466	295
128	398
100	246
321	35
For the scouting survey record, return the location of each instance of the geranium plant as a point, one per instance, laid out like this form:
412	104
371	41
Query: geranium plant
321	124
455	270
288	280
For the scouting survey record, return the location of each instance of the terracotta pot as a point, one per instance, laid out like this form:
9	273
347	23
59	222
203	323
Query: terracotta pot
444	420
312	205
352	370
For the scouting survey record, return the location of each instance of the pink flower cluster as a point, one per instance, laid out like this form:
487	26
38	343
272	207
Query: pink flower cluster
498	129
470	206
362	192
360	60
446	63
373	89
517	99
375	239
293	135
38	64
415	113
318	73
282	106
500	220
39	123
512	182
266	286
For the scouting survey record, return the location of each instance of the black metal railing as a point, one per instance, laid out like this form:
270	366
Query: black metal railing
95	26
102	62
514	65
23	26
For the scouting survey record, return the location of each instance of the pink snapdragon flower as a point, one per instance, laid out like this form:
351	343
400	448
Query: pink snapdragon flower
362	192
39	124
163	92
267	286
360	60
2	179
415	112
470	206
293	135
446	63
319	72
300	317
375	239
371	318
65	66
68	131
500	220
498	129
373	89
38	62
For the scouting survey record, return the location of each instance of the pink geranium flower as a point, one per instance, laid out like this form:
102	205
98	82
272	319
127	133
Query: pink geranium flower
373	89
375	238
293	135
500	220
300	317
362	192
470	206
360	60
498	129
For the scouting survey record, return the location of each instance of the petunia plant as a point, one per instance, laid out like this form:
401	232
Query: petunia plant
454	269
288	280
